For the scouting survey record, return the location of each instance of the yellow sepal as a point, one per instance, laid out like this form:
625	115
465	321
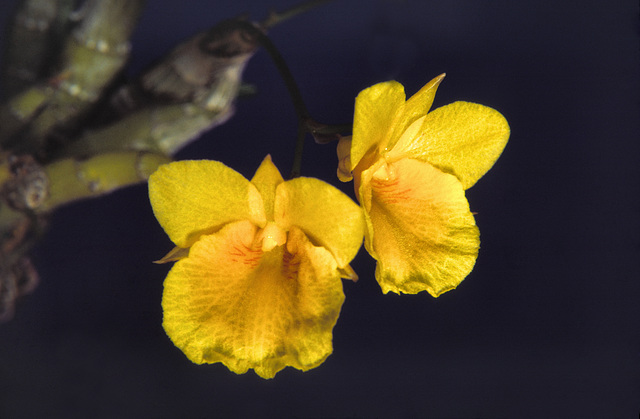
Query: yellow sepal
266	179
414	108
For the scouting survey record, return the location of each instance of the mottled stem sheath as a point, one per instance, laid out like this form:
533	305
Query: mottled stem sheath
92	56
70	179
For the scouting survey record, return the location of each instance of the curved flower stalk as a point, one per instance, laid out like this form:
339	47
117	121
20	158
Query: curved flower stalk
410	169
257	278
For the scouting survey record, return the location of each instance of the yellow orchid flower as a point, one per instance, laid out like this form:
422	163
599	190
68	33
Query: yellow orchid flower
410	169
257	284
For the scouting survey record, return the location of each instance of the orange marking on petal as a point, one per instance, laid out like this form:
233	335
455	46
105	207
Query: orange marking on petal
245	255
389	191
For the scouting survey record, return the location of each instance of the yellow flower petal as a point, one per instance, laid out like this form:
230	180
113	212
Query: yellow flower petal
420	229
464	139
416	107
375	110
191	198
266	179
327	216
230	302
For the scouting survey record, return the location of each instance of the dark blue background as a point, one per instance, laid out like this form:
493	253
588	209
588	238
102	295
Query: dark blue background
547	324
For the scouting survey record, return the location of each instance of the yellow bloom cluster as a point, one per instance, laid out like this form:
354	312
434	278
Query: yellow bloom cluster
257	278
